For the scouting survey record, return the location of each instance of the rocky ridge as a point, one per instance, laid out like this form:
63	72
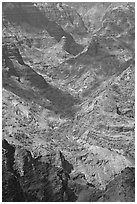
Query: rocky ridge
68	117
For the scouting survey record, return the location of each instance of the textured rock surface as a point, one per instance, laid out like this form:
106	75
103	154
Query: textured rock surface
36	19
30	179
68	102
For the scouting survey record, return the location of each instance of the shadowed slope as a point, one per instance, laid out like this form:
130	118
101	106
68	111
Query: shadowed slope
26	14
25	82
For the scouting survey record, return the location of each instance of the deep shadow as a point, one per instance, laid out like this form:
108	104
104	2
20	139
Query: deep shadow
34	87
65	164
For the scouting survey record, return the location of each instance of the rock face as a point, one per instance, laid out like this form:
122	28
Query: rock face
64	15
20	72
11	191
68	102
35	19
121	192
27	179
30	179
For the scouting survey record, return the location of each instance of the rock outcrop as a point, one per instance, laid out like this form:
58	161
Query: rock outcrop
30	179
26	179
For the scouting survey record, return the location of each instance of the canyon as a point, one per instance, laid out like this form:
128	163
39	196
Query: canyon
68	102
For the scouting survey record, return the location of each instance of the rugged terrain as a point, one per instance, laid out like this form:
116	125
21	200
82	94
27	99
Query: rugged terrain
68	102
